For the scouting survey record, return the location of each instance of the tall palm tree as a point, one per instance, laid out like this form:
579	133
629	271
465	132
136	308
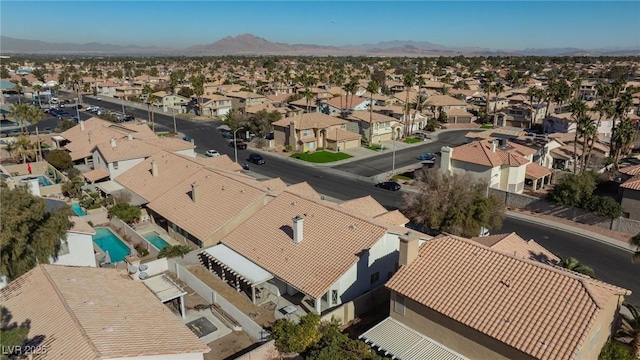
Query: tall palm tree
574	265
623	137
308	96
372	87
588	130
18	88
621	106
38	89
351	88
578	110
149	92
24	149
498	88
603	107
25	113
407	81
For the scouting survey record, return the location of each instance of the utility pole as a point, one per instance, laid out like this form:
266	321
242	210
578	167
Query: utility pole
173	112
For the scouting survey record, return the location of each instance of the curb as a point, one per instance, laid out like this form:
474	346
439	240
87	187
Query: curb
572	230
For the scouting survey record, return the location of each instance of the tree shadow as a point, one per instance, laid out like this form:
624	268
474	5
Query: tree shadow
15	335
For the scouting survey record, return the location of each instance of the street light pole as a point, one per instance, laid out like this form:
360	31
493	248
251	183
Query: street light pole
235	144
123	113
173	112
393	157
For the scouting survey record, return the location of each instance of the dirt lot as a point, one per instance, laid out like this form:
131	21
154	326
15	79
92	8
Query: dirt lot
228	345
239	300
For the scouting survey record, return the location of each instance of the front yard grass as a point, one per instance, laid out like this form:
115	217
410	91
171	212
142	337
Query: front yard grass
321	156
375	147
486	127
401	177
412	140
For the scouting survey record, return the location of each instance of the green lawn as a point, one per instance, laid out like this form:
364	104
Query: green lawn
412	140
374	147
486	127
321	156
401	177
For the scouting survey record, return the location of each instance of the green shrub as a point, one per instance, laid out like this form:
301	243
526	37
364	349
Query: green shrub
125	212
60	159
615	351
174	251
142	251
288	148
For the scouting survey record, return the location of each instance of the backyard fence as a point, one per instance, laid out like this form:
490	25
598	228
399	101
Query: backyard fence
249	326
132	237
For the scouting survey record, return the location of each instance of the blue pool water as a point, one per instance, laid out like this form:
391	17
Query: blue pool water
78	209
155	240
44	181
108	241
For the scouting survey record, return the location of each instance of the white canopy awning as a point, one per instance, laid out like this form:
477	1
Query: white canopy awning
238	264
401	342
109	187
164	288
58	138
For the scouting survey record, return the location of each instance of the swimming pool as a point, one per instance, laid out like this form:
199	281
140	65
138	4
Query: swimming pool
155	240
108	241
42	180
78	209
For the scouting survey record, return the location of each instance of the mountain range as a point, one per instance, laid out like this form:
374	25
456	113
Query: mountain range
247	44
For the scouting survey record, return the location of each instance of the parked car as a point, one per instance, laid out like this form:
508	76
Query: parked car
256	159
61	105
128	117
421	135
241	145
389	185
227	135
269	136
212	153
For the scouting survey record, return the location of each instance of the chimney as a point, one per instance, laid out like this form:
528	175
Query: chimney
90	136
129	136
154	168
82	125
494	146
298	221
113	142
409	248
194	191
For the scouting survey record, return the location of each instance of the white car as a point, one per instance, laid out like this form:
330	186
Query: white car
212	153
484	232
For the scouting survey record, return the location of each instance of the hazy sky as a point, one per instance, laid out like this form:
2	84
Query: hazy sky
497	25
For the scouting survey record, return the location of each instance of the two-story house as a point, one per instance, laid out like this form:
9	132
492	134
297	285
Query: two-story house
218	105
340	104
310	131
455	109
385	128
242	99
454	298
501	164
630	191
169	102
520	115
302	245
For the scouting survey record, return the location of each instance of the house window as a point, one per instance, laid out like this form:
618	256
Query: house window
398	305
115	165
306	133
334	296
375	277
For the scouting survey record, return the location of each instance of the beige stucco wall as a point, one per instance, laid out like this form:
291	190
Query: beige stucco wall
631	203
454	335
601	330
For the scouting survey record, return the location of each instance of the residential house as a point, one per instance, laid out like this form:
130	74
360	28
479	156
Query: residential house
218	105
385	128
71	314
521	115
338	105
564	123
307	248
242	99
455	109
417	120
81	140
169	102
77	248
457	299
308	132
518	247
630	192
119	155
107	88
128	92
502	164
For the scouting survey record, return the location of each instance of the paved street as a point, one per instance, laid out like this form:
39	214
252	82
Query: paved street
611	264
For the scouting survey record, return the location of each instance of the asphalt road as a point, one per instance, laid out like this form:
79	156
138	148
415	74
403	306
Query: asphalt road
382	163
610	264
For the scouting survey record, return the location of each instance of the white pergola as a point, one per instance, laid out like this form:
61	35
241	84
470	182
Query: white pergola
166	290
239	266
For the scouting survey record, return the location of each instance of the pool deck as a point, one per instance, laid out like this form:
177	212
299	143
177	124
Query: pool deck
150	227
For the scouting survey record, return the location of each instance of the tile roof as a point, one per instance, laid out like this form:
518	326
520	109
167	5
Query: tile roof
305	190
363	115
312	120
79	225
479	152
394	217
631	170
632	184
536	171
95	313
366	205
220	200
341	135
514	245
541	310
347	101
331	244
96	174
444	100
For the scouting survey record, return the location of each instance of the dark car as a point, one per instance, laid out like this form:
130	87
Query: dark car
256	159
389	185
241	145
128	117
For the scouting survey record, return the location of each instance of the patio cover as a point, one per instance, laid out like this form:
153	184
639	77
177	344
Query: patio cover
238	264
58	138
535	171
400	342
164	288
109	187
96	174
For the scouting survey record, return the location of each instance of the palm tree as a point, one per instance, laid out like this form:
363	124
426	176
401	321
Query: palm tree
372	87
38	89
24	113
588	130
621	106
407	81
578	110
308	96
630	328
18	89
623	137
498	88
351	88
487	87
635	241
149	92
24	148
574	265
